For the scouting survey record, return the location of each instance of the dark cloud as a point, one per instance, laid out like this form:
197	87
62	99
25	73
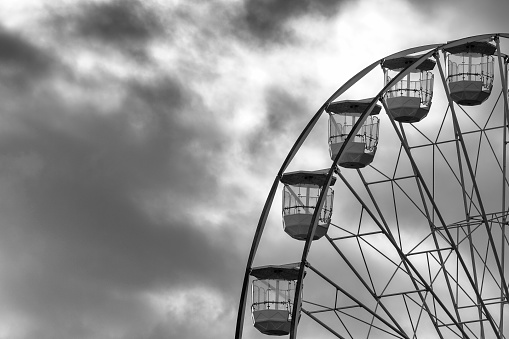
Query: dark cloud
87	234
118	22
265	20
21	61
126	26
284	110
185	131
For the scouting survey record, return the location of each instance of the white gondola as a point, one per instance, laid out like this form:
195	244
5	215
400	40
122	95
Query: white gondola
300	196
342	117
470	72
272	297
409	100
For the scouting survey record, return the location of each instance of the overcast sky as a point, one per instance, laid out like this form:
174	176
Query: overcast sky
139	139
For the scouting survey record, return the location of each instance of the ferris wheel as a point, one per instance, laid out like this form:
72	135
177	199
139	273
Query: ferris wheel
418	172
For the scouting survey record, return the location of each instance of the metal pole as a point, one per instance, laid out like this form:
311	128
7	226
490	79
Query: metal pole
503	79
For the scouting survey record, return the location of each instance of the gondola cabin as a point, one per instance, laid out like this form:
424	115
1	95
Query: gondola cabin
470	72
409	100
342	117
273	292
300	197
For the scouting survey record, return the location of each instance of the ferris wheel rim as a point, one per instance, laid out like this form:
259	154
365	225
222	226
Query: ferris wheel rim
431	50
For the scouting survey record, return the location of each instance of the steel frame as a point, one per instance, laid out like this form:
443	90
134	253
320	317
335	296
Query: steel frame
470	271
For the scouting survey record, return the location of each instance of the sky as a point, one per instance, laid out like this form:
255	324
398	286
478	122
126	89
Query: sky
139	140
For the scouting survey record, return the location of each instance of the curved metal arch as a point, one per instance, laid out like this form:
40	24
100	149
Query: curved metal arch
270	198
298	143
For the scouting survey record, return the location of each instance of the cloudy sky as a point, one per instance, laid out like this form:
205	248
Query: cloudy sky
139	139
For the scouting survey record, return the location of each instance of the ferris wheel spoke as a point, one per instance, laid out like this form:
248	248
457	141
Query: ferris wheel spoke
477	194
370	289
393	325
409	267
473	282
418	285
323	324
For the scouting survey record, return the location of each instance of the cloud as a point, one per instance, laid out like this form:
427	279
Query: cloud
128	27
82	228
283	109
118	22
101	204
21	61
265	21
192	311
465	18
134	172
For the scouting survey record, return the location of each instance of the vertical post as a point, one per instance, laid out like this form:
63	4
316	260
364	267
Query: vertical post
408	84
253	296
423	80
503	79
307	196
503	76
277	294
353	123
469	67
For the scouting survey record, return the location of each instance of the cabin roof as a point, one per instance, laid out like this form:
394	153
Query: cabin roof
280	272
352	106
307	178
480	47
403	62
